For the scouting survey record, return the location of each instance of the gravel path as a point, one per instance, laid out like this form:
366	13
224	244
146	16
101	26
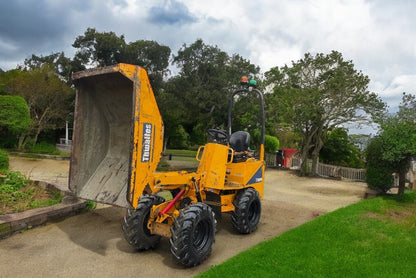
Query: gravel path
92	245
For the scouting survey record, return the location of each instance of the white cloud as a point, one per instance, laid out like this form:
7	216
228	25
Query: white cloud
378	36
400	84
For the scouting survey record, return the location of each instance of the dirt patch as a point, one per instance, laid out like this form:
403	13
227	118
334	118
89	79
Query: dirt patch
403	215
92	244
321	195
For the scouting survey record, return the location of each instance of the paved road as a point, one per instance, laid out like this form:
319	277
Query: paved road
92	245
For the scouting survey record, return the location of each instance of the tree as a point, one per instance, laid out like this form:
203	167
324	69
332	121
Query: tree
14	119
319	93
150	55
392	150
7	77
64	66
338	150
207	76
399	138
379	174
107	48
99	49
271	144
48	97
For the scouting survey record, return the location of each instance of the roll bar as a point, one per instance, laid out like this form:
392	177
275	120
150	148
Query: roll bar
231	104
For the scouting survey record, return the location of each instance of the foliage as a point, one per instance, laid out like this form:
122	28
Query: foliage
90	205
398	136
373	238
63	66
18	194
14	181
379	174
4	161
179	139
207	76
287	137
317	94
44	148
14	119
48	97
107	48
6	77
338	150
271	144
14	114
246	115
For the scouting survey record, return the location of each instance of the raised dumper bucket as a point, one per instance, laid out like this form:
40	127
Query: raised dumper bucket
118	135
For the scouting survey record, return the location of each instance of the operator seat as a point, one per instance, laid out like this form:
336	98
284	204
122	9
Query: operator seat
239	142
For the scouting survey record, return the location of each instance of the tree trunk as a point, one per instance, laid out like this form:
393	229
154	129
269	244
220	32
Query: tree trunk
20	143
402	183
315	160
165	144
319	142
404	167
304	167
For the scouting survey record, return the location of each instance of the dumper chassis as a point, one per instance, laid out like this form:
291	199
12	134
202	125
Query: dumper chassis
117	144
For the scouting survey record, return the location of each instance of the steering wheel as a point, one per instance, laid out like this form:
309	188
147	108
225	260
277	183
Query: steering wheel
218	136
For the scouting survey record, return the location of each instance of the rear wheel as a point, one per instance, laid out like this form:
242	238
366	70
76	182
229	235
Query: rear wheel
135	224
193	234
246	214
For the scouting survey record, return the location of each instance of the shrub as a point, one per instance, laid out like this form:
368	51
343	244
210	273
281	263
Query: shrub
14	120
44	148
13	182
379	174
271	144
180	138
339	150
4	161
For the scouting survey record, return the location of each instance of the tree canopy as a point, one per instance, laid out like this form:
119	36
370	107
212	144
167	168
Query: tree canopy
50	100
304	101
398	135
319	93
339	150
207	77
63	65
107	48
14	119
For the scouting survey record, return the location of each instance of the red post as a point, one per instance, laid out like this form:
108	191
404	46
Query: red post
172	203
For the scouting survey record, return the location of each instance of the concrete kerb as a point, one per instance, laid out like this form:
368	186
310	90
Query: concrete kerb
17	222
38	155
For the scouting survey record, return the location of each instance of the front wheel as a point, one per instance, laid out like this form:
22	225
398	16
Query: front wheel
246	214
193	234
135	224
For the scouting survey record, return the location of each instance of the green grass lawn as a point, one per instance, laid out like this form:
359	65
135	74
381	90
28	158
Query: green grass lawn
374	238
181	152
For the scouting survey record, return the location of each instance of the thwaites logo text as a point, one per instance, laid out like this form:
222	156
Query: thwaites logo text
147	142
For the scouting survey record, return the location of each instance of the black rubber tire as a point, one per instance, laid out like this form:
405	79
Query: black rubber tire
193	234
135	224
247	212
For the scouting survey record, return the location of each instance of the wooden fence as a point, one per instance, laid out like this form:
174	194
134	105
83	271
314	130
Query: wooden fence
324	170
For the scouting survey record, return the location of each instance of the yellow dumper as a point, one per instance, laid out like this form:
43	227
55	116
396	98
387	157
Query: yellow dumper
117	145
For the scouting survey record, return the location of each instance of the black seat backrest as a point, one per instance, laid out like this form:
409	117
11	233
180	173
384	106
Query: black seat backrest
240	141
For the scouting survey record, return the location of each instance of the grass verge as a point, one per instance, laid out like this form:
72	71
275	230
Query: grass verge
374	238
19	194
181	152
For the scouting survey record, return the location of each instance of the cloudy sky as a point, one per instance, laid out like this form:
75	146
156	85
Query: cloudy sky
379	36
